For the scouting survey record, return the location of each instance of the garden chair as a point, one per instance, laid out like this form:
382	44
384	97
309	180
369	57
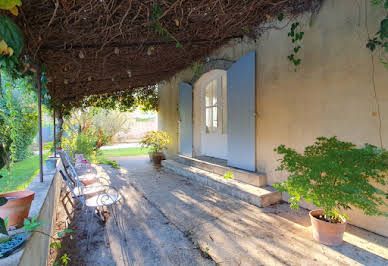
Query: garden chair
81	162
86	179
94	205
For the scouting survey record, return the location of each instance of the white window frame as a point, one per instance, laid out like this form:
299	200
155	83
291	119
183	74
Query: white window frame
220	105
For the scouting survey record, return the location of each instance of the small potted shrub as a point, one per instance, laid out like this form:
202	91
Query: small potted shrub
335	176
157	141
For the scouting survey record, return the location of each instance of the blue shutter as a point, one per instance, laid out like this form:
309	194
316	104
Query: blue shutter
241	113
186	119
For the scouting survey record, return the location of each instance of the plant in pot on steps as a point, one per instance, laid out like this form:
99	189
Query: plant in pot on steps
157	141
335	176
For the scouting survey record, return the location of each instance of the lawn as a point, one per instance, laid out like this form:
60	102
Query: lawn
103	155
124	152
20	175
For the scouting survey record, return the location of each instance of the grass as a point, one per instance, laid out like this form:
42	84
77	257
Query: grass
20	175
124	152
102	157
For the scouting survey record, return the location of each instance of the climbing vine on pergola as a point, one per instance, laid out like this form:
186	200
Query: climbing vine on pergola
93	47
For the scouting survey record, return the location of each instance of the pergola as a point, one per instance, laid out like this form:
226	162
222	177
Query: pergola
93	47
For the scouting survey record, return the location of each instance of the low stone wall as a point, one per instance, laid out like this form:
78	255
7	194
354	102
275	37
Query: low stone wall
36	248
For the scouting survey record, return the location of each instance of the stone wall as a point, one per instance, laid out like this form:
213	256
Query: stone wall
330	94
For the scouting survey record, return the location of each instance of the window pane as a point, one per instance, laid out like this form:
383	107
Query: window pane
214	94
208	95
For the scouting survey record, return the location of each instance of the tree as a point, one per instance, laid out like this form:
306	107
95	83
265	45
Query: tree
18	115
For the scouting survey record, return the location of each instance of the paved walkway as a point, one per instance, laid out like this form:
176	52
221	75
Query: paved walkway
167	220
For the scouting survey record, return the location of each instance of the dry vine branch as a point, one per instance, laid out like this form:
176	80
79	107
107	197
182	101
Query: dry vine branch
89	46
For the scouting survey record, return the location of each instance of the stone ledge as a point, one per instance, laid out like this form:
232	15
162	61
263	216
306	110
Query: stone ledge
260	197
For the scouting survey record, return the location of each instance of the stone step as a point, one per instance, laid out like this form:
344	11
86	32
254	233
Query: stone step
252	178
258	196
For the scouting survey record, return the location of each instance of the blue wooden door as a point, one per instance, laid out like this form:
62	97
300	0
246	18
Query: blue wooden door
241	113
186	119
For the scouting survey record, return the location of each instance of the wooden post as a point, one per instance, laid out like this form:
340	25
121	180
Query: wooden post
37	76
55	135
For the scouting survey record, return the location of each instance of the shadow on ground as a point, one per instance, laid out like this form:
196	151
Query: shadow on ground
164	219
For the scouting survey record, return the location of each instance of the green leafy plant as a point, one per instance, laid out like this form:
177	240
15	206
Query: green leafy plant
335	176
196	68
3	222
11	45
296	37
19	116
157	12
228	175
156	140
31	226
11	5
380	40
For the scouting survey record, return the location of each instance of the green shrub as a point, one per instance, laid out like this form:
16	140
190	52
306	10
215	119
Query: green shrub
335	176
80	143
156	140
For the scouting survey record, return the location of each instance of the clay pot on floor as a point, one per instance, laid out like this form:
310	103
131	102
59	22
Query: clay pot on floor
157	158
17	207
327	233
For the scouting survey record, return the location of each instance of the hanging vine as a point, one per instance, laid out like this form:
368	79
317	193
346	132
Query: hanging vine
379	42
157	13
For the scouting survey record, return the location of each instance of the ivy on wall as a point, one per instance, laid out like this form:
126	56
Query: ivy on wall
379	42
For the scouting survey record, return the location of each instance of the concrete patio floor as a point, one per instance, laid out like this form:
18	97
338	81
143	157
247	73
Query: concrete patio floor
166	220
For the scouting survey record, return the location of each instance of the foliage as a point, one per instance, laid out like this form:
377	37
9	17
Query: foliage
4	158
103	160
110	122
18	115
145	98
228	175
296	37
91	128
157	12
30	226
11	34
3	222
196	68
155	140
11	45
11	5
81	143
380	40
335	175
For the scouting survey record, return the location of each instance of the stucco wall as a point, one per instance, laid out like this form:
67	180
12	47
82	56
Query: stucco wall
331	93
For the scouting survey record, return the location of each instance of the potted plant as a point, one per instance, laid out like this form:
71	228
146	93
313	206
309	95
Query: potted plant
157	141
14	206
335	176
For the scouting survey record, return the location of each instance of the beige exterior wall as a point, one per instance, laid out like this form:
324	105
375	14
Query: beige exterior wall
330	94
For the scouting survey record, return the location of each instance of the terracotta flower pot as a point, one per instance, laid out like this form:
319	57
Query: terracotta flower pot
157	158
17	207
327	233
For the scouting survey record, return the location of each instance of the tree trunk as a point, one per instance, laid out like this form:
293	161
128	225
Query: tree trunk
59	128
